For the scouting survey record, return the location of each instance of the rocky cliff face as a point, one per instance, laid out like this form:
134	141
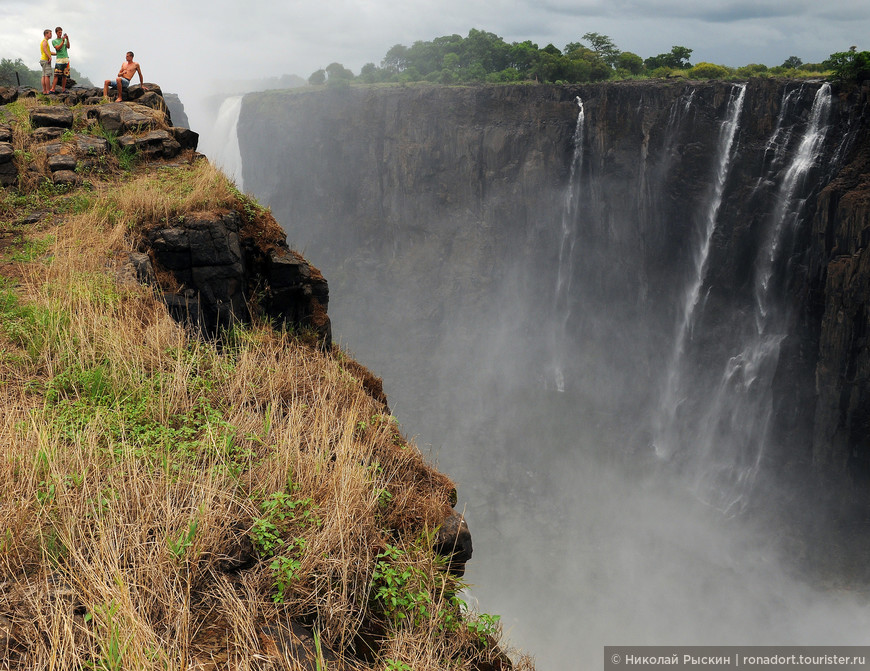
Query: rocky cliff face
457	194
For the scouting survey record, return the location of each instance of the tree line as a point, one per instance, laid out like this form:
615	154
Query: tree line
483	57
17	73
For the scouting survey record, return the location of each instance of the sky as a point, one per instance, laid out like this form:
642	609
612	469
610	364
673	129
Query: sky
191	47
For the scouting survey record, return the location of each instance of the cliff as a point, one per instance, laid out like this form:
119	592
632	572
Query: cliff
193	474
709	286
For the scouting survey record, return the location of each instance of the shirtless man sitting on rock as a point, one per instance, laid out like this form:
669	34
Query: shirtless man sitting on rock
128	68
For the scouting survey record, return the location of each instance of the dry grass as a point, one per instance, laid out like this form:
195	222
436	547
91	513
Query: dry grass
164	499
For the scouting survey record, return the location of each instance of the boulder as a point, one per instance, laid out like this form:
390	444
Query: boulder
65	177
124	118
453	541
8	94
5	132
152	100
51	115
47	133
92	145
61	162
185	137
8	170
155	144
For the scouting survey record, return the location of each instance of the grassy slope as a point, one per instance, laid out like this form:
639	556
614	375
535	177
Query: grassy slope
169	503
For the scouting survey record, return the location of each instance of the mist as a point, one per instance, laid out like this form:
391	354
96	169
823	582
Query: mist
586	532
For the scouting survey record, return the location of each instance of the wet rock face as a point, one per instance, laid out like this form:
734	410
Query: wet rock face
839	277
456	194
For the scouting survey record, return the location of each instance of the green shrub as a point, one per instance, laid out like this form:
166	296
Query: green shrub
709	71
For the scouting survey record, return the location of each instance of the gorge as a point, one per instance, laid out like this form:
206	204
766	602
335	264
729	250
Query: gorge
628	318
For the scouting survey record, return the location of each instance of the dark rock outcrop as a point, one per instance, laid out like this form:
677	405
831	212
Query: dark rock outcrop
8	171
51	116
216	270
454	542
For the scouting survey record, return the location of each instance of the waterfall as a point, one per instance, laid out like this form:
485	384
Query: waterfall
731	414
778	143
664	423
561	301
226	154
783	215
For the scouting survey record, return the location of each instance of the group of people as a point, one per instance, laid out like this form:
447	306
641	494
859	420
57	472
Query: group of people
61	66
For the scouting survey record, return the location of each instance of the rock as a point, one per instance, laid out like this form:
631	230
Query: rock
61	162
153	100
32	218
8	174
454	542
8	94
217	273
65	177
8	170
185	137
156	143
5	132
124	118
47	133
53	115
91	145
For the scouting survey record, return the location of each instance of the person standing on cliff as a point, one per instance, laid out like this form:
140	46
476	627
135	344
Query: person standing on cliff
128	68
45	54
61	64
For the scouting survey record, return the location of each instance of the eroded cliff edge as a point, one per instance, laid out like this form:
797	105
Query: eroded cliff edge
184	466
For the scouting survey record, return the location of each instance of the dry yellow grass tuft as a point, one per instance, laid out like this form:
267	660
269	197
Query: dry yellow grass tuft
171	503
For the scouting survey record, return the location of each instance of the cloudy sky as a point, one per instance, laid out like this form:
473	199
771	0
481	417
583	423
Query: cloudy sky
188	45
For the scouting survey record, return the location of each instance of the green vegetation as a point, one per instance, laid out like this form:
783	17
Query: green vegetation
13	72
483	57
850	66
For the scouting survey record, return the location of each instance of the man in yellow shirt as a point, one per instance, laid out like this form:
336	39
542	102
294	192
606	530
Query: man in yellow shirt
45	54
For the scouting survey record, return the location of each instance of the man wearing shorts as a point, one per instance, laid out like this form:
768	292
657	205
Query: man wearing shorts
128	68
45	54
61	64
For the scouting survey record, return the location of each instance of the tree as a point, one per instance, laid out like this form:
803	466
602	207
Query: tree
631	63
522	56
677	58
317	78
849	66
604	47
396	59
487	49
552	50
369	73
336	71
27	77
792	63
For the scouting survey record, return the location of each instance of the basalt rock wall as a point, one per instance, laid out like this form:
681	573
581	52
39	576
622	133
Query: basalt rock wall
442	216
